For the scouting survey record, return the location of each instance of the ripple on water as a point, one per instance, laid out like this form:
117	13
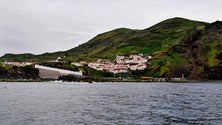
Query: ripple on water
110	103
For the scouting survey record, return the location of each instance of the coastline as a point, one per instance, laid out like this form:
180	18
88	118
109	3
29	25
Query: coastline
91	80
21	80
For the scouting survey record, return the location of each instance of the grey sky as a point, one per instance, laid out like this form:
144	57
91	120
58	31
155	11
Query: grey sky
38	26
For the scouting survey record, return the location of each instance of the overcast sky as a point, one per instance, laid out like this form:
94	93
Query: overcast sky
39	26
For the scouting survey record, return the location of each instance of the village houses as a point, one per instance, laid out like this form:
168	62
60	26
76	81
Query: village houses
120	65
19	64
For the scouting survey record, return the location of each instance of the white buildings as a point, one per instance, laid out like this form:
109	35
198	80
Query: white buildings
120	59
121	64
19	64
133	62
76	64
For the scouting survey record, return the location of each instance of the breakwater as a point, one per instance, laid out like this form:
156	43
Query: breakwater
76	78
54	73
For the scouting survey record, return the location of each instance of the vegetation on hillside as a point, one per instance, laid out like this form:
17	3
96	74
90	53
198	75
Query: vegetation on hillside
178	46
122	42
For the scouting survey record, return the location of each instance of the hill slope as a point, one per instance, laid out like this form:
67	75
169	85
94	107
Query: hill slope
179	46
123	41
198	56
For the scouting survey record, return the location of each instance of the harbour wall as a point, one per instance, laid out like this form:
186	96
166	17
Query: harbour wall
54	73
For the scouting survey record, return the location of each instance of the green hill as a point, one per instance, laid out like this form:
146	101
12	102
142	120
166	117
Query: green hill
179	46
126	41
122	41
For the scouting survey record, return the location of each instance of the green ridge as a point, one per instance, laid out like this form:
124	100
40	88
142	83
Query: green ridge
178	46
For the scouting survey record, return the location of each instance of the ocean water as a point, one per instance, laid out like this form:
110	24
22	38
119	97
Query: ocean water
52	103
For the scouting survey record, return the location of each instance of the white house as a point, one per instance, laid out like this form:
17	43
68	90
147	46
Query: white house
76	64
19	64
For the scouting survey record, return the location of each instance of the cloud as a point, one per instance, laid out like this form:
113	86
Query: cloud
39	26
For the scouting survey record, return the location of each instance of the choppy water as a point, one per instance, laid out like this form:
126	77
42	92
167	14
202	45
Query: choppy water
110	103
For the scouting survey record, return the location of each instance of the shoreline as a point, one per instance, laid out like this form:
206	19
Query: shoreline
21	80
91	80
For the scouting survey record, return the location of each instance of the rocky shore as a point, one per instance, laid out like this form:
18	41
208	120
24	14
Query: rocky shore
73	78
30	74
19	74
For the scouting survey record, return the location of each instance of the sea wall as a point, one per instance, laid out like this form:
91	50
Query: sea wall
54	73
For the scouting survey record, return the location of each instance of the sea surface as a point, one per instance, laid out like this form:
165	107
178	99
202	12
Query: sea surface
54	103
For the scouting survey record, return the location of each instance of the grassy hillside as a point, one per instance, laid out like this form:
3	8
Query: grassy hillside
199	56
179	46
123	42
